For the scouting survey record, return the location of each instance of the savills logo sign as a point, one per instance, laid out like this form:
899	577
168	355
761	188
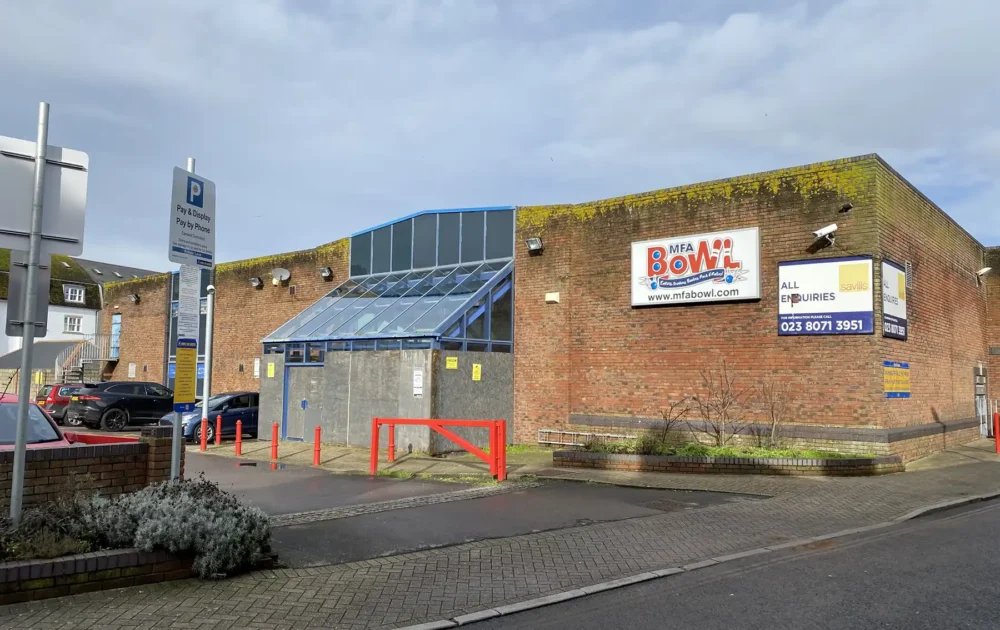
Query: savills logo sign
700	268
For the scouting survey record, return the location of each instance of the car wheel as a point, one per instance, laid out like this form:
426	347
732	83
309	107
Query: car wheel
114	420
72	421
209	433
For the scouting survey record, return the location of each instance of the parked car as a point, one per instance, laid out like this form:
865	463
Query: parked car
232	406
115	405
55	398
42	431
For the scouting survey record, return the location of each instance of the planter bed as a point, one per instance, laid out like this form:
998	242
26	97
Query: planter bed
860	466
24	580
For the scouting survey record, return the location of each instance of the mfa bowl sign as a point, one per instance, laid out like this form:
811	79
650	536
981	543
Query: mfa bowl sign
717	267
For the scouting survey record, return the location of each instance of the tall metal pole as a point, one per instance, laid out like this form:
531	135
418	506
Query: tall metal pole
28	317
177	443
206	386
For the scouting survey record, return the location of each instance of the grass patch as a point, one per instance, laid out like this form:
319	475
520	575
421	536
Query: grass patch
514	449
396	474
647	446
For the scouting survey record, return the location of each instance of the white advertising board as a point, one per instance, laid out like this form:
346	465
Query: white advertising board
894	323
717	267
192	220
830	296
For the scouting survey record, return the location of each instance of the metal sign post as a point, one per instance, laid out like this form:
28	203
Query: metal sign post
28	319
192	244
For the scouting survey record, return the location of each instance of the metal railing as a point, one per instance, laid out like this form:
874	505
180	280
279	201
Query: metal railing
92	349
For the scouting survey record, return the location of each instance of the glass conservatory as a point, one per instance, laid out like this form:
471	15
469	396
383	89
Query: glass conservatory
435	280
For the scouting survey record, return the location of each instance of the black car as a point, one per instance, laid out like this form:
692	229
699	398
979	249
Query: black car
115	405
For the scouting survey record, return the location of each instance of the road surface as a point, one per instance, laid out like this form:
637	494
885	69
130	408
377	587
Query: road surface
940	571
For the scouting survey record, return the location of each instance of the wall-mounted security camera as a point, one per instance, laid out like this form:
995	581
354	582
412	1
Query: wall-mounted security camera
985	270
827	232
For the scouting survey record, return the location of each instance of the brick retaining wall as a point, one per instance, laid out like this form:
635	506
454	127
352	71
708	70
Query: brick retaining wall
730	465
82	573
110	469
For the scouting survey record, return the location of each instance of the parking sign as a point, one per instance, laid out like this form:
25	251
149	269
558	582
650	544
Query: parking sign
192	220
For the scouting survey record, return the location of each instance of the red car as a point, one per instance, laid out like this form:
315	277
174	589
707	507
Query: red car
42	431
55	398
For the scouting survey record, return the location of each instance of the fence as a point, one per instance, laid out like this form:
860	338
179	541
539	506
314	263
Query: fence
496	457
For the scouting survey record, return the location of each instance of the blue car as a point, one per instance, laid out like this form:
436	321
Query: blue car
231	406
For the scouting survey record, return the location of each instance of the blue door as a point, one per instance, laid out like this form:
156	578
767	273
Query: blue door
116	333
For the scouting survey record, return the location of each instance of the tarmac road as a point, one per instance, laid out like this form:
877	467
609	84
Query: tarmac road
940	571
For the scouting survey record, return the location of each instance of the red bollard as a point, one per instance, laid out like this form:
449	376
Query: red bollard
392	442
502	454
239	438
218	430
493	449
204	433
316	447
274	442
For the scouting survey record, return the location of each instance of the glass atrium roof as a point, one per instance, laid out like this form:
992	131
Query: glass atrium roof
405	304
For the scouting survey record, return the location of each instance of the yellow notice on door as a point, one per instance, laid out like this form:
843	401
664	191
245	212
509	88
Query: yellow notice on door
477	372
451	363
270	370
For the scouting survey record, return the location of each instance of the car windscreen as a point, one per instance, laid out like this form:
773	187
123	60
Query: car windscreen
214	403
43	392
38	426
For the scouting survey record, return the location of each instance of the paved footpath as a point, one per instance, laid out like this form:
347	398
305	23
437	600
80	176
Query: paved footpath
443	583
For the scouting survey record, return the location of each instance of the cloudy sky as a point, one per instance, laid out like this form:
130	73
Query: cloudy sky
318	118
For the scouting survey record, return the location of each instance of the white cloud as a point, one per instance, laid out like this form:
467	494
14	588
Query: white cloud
323	119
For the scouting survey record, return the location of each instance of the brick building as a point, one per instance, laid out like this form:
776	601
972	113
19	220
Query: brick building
602	338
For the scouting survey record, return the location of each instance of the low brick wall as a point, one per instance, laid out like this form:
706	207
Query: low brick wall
41	579
730	465
111	469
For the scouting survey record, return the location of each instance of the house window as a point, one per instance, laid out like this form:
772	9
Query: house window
72	323
73	293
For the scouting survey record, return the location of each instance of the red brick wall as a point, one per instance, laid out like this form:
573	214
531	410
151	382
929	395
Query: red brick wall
992	283
946	307
144	326
244	315
592	353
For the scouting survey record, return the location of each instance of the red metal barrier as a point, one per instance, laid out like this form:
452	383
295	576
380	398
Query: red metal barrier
204	433
92	438
316	447
239	438
274	442
218	429
496	458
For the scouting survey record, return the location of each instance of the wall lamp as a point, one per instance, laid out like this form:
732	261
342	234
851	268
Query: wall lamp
134	298
982	272
326	273
256	282
534	245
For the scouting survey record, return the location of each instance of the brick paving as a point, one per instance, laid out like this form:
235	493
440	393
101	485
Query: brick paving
441	583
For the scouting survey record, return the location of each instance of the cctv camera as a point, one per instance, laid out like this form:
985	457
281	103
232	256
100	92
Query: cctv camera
985	270
826	231
210	288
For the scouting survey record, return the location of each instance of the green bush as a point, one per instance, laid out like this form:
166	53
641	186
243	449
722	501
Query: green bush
194	518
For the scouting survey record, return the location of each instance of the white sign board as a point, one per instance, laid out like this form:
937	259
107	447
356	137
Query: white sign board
894	323
256	368
131	370
831	296
418	383
718	267
64	203
189	302
192	220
